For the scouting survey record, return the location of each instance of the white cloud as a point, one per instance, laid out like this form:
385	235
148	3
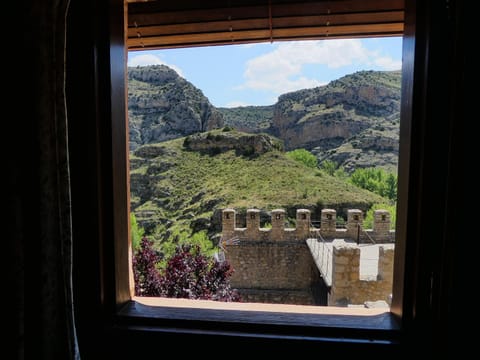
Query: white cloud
233	104
150	59
280	70
387	63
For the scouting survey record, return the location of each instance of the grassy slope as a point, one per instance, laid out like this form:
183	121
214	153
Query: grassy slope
268	181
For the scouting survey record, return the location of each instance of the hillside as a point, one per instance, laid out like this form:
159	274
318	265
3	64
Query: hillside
248	118
180	185
353	121
163	106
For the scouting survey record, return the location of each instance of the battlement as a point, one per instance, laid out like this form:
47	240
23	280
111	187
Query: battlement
354	265
354	273
380	232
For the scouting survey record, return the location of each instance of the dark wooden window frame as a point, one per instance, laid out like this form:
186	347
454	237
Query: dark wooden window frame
103	290
374	328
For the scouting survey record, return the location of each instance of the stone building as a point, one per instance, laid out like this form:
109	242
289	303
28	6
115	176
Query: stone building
308	265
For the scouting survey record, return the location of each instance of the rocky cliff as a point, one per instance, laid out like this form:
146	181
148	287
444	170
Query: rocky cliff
353	121
162	106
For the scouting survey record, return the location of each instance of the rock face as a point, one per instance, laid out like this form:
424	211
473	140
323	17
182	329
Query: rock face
243	144
351	119
163	106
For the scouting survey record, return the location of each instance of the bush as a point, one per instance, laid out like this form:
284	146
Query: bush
304	156
145	273
136	232
376	180
329	167
191	275
188	274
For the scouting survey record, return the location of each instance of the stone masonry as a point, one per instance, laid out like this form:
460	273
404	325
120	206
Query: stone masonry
306	265
271	264
346	285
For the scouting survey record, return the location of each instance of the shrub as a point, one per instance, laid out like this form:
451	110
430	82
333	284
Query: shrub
188	274
145	273
303	156
329	166
136	231
191	275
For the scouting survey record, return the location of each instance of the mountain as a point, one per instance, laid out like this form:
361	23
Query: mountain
353	121
178	187
162	106
249	118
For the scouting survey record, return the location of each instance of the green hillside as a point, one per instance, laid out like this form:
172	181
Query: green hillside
177	190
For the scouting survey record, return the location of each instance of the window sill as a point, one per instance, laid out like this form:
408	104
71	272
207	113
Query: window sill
375	325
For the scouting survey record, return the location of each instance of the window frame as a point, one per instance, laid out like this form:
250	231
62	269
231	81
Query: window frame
113	276
124	292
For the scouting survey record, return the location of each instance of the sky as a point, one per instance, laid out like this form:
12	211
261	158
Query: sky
256	74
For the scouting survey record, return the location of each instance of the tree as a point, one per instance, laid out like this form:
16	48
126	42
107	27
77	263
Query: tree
136	231
391	187
329	167
377	181
392	209
304	156
188	274
191	275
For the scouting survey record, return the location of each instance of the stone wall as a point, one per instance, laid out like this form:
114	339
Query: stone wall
276	265
271	265
347	287
276	272
380	233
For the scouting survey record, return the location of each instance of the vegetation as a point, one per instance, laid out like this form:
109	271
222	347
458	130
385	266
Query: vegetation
305	157
391	208
182	177
145	273
376	180
188	274
136	231
199	239
176	192
248	118
353	121
329	167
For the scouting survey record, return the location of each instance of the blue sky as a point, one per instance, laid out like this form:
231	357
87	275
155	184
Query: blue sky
256	74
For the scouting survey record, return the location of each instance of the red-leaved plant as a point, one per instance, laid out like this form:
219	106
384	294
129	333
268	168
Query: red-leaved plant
188	274
145	273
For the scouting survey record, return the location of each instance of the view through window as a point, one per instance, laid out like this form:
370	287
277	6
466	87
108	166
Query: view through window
266	172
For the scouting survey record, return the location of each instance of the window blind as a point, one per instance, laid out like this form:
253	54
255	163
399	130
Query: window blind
161	24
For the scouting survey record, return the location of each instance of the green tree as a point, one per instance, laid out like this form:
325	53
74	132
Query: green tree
136	231
182	237
376	180
391	187
340	173
329	167
304	156
392	209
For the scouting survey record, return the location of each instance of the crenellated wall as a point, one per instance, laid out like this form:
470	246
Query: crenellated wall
346	285
276	265
271	264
